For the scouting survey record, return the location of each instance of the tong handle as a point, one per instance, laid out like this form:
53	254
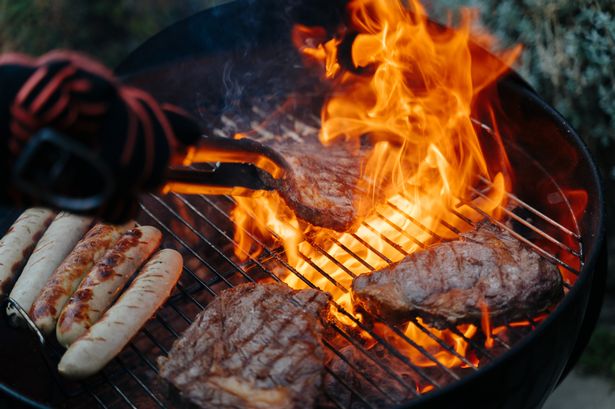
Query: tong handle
212	149
224	179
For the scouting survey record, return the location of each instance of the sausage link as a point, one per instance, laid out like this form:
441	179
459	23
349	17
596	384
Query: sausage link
19	242
57	241
102	285
105	339
65	279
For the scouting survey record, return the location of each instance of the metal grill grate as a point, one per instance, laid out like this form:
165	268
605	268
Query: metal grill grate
131	379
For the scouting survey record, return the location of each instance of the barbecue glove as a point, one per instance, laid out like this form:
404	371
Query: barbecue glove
73	137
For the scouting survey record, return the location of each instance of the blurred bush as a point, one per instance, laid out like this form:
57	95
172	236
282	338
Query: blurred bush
107	29
569	58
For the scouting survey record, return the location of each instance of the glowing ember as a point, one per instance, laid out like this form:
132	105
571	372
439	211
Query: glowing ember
410	94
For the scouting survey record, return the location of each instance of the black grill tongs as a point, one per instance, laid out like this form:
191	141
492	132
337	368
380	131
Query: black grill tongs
216	166
224	166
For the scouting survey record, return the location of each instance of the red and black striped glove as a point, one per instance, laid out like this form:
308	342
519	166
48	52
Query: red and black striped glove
127	135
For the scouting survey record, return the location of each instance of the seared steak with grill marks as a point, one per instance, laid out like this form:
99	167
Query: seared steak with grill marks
323	185
255	346
448	284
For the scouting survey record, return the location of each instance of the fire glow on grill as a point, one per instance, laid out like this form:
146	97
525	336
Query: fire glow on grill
410	92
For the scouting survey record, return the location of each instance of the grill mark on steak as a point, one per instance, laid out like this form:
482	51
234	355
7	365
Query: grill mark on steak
446	284
254	346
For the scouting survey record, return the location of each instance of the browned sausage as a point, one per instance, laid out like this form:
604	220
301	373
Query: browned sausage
57	241
101	286
65	279
105	339
18	243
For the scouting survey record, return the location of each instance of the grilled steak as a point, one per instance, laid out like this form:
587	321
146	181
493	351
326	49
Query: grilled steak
450	282
324	184
255	346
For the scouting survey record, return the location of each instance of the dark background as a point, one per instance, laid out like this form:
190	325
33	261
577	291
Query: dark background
569	58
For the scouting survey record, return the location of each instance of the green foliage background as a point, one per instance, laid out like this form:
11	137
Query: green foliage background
569	56
106	29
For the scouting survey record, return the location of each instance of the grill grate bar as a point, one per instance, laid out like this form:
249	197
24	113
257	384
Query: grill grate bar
180	313
194	253
143	357
440	342
140	382
386	240
414	221
400	230
394	351
356	370
533	228
94	396
204	239
382	366
345	384
323	273
333	260
519	237
500	340
166	325
538	213
370	247
189	296
119	391
475	345
443	344
154	341
352	254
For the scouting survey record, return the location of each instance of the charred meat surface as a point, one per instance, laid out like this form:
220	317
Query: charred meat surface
324	184
255	346
449	283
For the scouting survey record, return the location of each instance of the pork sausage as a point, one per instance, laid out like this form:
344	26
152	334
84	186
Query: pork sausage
105	339
107	278
18	243
57	241
65	279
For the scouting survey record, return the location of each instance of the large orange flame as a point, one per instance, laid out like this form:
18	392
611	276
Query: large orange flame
410	91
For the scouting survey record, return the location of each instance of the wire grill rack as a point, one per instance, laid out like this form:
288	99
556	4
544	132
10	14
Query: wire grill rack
198	227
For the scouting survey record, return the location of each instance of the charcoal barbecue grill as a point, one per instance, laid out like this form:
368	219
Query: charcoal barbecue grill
233	66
